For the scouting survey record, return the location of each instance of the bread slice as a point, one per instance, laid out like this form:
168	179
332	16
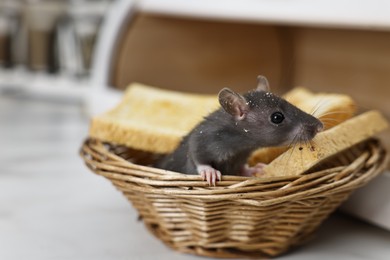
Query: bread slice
296	161
152	119
331	109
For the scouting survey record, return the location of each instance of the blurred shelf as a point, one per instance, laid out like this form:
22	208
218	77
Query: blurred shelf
41	84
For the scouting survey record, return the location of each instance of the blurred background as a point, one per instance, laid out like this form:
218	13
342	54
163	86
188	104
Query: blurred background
63	61
74	49
51	36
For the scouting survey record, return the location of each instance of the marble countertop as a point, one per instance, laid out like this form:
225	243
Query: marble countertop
53	207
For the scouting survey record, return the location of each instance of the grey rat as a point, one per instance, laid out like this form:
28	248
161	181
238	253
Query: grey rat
223	141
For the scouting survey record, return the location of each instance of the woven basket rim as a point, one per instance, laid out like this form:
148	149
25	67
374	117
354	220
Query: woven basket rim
160	181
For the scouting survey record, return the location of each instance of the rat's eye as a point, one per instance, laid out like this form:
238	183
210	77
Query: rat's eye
277	118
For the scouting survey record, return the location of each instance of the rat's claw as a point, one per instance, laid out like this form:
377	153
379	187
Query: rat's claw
209	174
203	175
256	170
219	175
213	177
260	167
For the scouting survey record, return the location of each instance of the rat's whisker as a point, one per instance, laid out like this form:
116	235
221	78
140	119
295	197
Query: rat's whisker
297	139
329	125
331	119
328	122
294	140
313	142
292	146
336	112
323	103
309	145
303	142
291	151
319	104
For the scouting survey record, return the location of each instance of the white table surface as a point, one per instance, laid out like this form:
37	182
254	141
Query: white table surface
53	207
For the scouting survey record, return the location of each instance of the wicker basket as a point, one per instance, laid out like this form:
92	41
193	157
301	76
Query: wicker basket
241	217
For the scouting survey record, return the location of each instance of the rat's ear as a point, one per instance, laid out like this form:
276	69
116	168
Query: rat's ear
262	84
233	103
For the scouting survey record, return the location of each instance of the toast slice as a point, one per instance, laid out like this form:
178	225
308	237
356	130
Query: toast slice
152	119
327	143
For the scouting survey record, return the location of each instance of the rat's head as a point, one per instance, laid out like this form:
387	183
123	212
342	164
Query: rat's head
268	119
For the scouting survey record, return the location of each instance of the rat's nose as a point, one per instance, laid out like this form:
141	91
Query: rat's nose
314	129
320	127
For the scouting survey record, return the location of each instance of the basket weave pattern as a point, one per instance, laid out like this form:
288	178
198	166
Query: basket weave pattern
241	217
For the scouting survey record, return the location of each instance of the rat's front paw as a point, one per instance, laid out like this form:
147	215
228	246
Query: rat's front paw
209	174
256	170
